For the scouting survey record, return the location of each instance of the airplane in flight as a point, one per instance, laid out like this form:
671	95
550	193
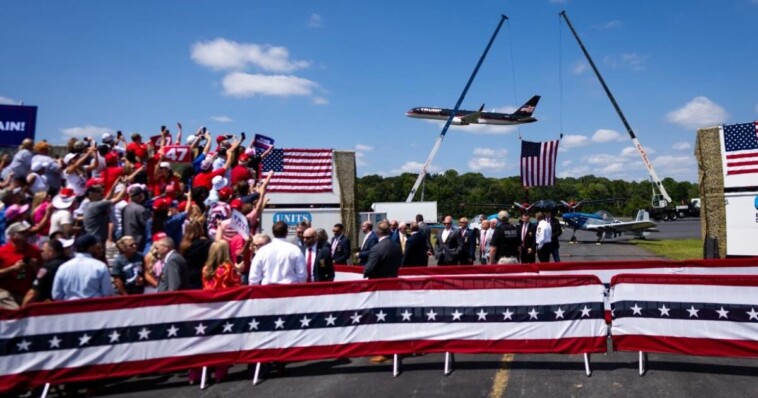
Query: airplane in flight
462	117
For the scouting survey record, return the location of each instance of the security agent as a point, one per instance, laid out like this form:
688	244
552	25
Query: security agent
505	241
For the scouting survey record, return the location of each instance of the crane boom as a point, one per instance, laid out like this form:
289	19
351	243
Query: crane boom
438	143
635	141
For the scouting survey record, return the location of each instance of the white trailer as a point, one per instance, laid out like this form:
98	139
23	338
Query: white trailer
406	211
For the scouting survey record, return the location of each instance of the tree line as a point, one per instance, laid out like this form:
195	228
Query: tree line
473	193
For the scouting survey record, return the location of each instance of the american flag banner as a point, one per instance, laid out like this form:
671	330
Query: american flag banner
123	336
538	163
741	148
299	170
693	315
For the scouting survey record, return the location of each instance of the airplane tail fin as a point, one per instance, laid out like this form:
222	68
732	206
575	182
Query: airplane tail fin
642	215
527	109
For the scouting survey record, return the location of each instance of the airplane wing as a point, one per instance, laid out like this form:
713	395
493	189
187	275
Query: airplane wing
473	117
624	226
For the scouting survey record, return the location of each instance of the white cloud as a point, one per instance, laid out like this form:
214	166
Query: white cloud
682	146
85	131
315	21
414	167
360	159
631	152
8	101
573	141
363	148
680	168
222	119
491	164
239	84
489	152
699	112
484	129
222	54
492	159
567	163
320	101
632	61
604	135
613	24
613	168
580	67
601	159
578	171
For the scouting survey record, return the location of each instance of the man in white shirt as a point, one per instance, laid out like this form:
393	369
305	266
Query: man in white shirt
83	276
543	236
279	261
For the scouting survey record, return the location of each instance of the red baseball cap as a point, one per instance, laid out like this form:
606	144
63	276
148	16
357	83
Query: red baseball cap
236	204
111	159
161	204
158	236
94	181
221	139
183	205
225	193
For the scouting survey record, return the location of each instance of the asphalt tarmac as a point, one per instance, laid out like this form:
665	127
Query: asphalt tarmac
614	374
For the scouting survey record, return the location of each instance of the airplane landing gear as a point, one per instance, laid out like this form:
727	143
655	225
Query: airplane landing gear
599	238
573	238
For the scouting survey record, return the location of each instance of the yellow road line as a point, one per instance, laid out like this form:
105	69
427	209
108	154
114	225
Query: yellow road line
500	381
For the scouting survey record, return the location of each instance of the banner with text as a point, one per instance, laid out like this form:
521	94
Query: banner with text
17	122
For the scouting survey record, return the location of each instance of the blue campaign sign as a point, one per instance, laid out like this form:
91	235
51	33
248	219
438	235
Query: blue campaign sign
16	123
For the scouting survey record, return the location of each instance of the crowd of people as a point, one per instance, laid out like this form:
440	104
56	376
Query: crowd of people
170	224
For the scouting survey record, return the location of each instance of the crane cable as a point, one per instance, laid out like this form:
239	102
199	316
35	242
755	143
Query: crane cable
560	74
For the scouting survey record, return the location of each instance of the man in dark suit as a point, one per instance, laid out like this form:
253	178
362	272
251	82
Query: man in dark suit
318	258
448	244
175	274
527	231
369	240
427	231
383	262
340	245
468	242
415	254
385	257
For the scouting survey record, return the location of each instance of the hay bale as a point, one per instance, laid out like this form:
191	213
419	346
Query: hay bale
711	181
344	164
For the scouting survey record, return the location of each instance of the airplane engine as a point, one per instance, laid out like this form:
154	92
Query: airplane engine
458	122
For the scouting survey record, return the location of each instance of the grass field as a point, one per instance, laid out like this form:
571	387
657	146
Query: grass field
675	249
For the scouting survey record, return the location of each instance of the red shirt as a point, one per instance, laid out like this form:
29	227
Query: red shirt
139	149
204	179
110	175
160	184
240	173
19	282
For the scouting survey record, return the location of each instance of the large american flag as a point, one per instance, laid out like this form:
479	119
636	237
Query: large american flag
538	163
123	336
741	147
299	170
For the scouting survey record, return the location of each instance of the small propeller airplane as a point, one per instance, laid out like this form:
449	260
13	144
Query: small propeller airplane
462	117
606	226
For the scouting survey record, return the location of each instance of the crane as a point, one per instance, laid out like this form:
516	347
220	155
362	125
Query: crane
441	137
662	199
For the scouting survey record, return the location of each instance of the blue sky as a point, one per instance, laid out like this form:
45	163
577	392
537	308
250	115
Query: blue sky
342	74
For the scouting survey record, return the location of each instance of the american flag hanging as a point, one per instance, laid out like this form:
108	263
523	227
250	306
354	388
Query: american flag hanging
741	148
538	163
299	170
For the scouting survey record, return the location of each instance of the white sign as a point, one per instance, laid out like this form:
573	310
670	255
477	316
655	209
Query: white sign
741	224
239	223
